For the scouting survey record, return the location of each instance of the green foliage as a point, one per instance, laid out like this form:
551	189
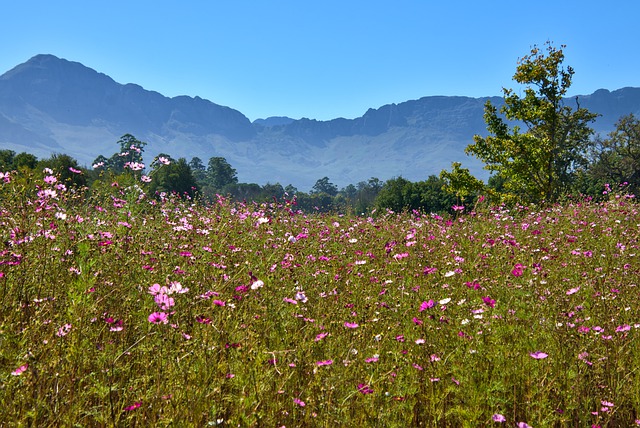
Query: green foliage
323	185
461	183
172	177
400	194
616	159
220	173
538	163
10	161
66	168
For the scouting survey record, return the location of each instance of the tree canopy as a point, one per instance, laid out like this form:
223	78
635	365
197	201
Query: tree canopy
534	163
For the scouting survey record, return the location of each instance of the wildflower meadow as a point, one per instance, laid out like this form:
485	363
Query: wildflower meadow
122	310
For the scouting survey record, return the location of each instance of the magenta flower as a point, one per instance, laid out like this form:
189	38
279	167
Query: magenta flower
523	425
158	318
518	270
218	303
351	325
299	402
497	417
489	301
427	305
363	388
324	362
134	406
538	355
429	270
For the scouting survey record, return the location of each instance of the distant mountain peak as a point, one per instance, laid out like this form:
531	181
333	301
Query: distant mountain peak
273	121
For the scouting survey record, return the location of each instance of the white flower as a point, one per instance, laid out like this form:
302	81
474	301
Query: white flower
257	284
444	301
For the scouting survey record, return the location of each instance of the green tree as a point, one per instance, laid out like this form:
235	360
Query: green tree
538	162
323	185
367	193
397	194
616	159
198	169
130	153
25	160
66	168
271	191
220	173
174	177
6	160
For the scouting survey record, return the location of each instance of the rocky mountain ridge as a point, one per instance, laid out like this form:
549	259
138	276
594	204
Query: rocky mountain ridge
51	105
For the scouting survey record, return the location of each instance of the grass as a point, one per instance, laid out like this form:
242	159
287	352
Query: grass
121	311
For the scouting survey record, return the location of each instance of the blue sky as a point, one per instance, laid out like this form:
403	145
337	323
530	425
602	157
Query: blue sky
324	59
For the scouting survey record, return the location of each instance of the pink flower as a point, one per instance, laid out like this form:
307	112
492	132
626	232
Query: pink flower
20	370
299	402
164	301
538	355
573	290
158	317
426	305
350	325
523	425
64	330
321	336
324	362
219	303
498	418
518	270
156	289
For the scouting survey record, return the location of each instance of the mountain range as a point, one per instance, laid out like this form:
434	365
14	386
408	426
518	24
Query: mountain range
51	105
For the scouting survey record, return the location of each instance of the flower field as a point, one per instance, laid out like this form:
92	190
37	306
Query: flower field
118	310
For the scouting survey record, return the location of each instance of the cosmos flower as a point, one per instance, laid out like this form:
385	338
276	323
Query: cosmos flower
20	370
158	318
538	355
497	417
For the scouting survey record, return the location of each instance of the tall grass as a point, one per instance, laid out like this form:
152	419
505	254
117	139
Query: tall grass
121	311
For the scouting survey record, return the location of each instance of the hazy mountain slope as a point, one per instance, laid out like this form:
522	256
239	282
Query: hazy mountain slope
51	105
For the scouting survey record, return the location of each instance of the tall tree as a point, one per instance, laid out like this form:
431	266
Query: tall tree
198	169
323	185
537	162
220	173
616	159
173	177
